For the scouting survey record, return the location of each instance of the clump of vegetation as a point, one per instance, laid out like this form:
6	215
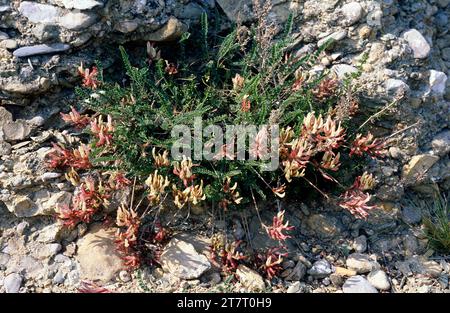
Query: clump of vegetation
437	223
249	76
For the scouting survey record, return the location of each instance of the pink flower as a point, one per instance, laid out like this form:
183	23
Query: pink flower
102	131
245	104
258	147
356	200
76	119
89	76
278	227
226	151
367	144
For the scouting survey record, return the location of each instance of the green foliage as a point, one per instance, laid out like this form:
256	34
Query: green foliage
153	101
437	223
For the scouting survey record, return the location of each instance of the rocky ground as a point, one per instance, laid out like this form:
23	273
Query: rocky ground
329	252
407	49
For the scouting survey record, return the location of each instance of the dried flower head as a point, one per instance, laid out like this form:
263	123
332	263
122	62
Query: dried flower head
180	198
117	180
356	200
367	144
157	185
271	261
127	236
183	170
226	151
238	82
298	84
153	53
232	195
258	148
76	119
60	157
126	217
326	88
229	255
196	193
245	104
161	160
297	158
280	191
89	76
275	231
330	161
73	177
103	131
366	181
171	68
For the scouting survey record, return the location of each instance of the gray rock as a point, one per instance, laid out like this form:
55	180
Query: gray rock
295	288
358	284
360	244
343	70
379	280
77	21
61	258
3	35
21	227
97	254
180	259
12	283
191	11
361	263
59	277
395	86
417	43
336	36
297	273
5	116
16	131
124	276
79	4
443	281
126	26
49	176
374	16
417	166
40	13
5	8
40	49
411	214
437	82
72	278
443	3
47	251
352	12
250	278
324	225
49	233
446	54
170	31
9	44
5	148
410	245
236	9
320	269
440	143
419	265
